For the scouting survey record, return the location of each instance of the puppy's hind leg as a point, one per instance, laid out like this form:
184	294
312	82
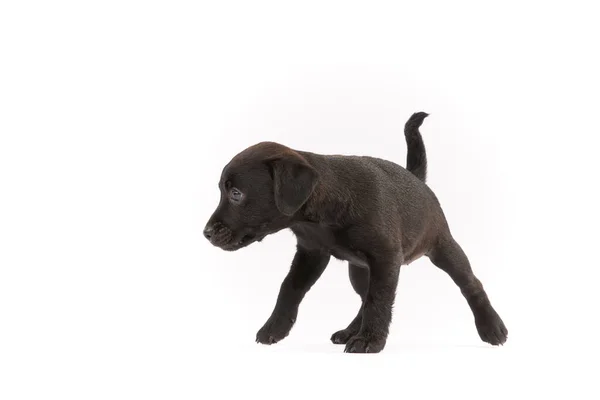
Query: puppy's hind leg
359	278
449	257
307	267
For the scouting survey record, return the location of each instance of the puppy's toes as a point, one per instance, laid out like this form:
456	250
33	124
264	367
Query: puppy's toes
342	337
491	329
275	330
360	344
265	338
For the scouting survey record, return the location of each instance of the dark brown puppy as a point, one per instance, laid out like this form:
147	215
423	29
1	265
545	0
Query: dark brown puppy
371	212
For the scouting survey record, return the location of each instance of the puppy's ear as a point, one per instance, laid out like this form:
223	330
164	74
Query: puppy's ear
294	181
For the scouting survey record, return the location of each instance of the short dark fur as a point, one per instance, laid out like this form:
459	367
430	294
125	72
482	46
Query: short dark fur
371	212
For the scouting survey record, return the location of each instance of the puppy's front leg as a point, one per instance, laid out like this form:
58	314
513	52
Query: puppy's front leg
307	267
377	309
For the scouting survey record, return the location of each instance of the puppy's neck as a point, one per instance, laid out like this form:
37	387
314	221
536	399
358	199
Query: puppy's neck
331	203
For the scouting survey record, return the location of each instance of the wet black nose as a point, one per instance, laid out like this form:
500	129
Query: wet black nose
208	232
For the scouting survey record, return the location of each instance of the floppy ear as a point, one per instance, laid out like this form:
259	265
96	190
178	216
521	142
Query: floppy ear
295	181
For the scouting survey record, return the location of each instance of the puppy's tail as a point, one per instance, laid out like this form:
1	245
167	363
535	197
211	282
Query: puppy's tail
416	160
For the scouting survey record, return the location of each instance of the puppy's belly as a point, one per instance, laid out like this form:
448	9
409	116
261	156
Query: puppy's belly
413	257
354	257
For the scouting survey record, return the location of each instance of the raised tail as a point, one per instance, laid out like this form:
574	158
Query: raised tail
416	159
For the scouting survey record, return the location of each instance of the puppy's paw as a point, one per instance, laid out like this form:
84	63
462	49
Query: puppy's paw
274	330
362	344
491	329
342	337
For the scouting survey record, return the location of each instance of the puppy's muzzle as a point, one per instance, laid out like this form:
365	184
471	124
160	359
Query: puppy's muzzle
218	234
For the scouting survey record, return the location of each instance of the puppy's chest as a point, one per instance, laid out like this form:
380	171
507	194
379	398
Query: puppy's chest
336	242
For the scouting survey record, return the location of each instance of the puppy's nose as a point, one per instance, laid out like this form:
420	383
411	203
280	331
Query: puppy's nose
208	232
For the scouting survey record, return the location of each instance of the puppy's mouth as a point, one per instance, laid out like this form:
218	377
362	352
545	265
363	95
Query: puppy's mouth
244	241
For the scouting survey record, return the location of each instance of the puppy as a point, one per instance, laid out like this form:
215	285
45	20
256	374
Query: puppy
370	212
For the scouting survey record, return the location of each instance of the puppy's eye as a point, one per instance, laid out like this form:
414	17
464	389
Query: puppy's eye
235	195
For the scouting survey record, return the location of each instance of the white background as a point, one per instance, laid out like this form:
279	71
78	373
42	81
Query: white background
116	118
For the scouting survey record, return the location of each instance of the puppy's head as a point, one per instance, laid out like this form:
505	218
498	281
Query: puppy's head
262	190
